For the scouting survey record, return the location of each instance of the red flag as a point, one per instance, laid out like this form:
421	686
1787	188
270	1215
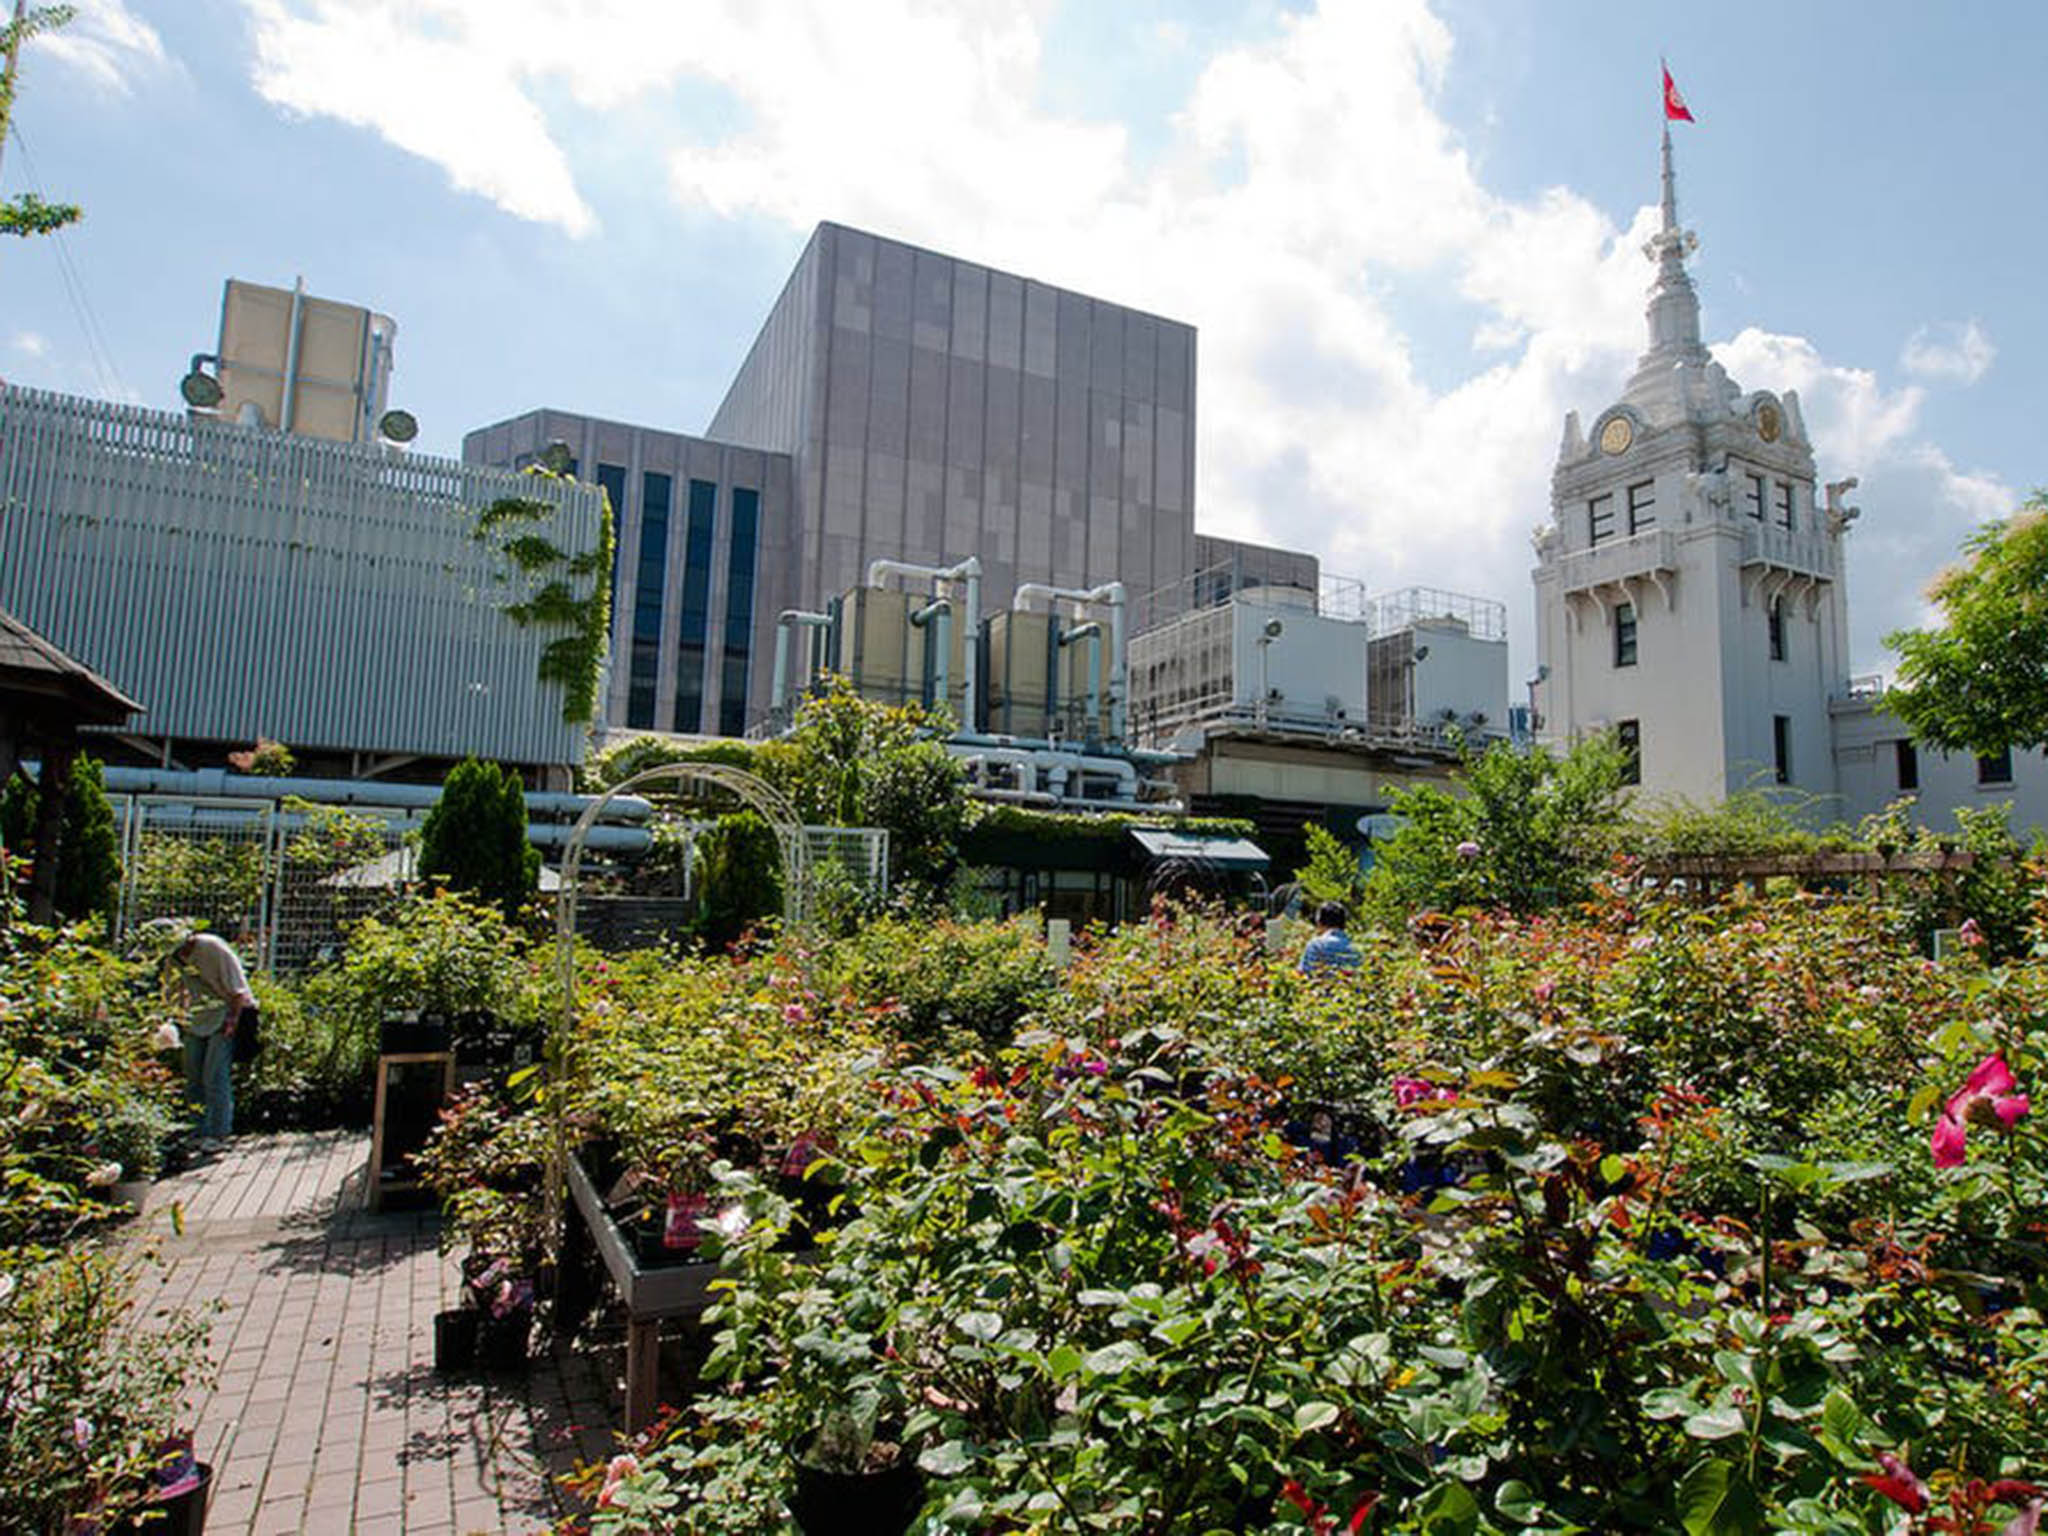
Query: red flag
1675	109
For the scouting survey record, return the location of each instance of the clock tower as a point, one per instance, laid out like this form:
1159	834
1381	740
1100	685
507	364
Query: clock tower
1689	586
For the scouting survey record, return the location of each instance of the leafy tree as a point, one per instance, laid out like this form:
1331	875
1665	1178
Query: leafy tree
28	214
89	846
1332	872
851	762
1979	683
474	839
1527	833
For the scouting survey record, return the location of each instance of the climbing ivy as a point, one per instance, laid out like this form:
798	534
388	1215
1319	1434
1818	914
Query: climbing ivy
572	660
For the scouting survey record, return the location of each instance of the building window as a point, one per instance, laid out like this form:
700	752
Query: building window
1784	489
696	615
649	576
1775	620
1756	497
1995	767
739	613
1907	759
1781	747
1625	635
613	478
1642	506
1600	514
1628	735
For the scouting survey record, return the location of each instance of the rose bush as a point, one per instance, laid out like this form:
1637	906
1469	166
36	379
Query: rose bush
1627	1218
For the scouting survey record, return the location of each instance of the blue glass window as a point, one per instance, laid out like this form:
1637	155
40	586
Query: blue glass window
648	579
739	613
696	606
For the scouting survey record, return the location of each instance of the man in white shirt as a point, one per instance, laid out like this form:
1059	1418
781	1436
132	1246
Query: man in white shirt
216	997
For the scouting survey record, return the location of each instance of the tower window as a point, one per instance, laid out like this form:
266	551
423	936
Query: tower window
1907	758
1781	748
1625	635
1784	489
1756	497
1642	506
1776	620
1995	767
1600	518
1628	735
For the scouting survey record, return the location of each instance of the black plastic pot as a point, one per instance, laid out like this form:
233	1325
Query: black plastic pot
455	1333
182	1514
881	1503
501	1342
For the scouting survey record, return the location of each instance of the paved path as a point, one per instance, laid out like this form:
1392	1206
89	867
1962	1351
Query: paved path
328	1416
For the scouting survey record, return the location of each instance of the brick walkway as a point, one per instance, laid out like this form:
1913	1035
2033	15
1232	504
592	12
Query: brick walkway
328	1415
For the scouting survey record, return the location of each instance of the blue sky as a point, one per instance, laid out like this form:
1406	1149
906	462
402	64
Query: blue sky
1406	231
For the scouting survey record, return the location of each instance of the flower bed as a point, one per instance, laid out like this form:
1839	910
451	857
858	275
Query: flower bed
1643	1218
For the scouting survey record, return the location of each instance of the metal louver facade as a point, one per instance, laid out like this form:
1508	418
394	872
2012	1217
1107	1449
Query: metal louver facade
241	582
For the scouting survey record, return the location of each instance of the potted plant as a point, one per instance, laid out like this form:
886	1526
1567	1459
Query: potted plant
130	1145
88	1399
850	1481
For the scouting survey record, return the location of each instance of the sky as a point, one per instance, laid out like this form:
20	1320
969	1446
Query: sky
1408	231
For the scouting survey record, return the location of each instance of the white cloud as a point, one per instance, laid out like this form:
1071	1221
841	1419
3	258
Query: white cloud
1306	177
108	44
1957	353
445	80
29	343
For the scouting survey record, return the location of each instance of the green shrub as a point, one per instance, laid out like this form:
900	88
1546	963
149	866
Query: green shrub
89	863
474	839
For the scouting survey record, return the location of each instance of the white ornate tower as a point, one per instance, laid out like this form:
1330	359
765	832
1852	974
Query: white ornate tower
1689	588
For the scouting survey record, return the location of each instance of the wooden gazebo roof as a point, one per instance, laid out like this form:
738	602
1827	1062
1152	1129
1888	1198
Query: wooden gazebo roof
44	688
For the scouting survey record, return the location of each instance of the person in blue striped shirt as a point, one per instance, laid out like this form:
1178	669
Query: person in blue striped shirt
1330	949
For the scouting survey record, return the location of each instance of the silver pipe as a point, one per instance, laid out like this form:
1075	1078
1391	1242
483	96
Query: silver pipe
778	690
286	411
968	571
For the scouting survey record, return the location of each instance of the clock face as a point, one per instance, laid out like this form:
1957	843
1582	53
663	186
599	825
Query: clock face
1616	435
1768	422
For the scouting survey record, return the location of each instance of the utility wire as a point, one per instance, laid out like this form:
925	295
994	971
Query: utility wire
100	354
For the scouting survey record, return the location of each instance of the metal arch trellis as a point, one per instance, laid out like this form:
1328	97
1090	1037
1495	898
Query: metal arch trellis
758	795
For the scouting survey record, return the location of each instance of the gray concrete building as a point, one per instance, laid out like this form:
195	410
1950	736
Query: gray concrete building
704	560
906	405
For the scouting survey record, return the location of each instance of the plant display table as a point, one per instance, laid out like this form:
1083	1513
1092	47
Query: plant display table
652	1295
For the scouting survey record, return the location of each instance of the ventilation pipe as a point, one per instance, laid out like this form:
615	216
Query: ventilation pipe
1112	593
968	571
1092	633
938	613
779	690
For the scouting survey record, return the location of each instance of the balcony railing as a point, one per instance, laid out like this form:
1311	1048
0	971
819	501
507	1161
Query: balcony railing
1614	561
1786	549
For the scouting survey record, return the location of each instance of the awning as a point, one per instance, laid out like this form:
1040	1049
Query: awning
1214	849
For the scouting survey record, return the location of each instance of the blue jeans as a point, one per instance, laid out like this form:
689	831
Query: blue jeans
207	1060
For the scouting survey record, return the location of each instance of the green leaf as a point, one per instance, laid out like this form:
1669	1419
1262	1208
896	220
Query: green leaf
979	1325
948	1460
1113	1359
1516	1501
1716	1423
1312	1416
1715	1500
1448	1508
1063	1360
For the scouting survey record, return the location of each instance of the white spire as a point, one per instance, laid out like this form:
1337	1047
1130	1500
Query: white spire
1668	379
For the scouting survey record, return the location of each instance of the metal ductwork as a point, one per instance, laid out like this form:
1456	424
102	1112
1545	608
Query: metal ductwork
969	572
1112	593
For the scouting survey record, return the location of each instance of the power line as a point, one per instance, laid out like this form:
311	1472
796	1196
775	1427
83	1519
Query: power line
100	353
